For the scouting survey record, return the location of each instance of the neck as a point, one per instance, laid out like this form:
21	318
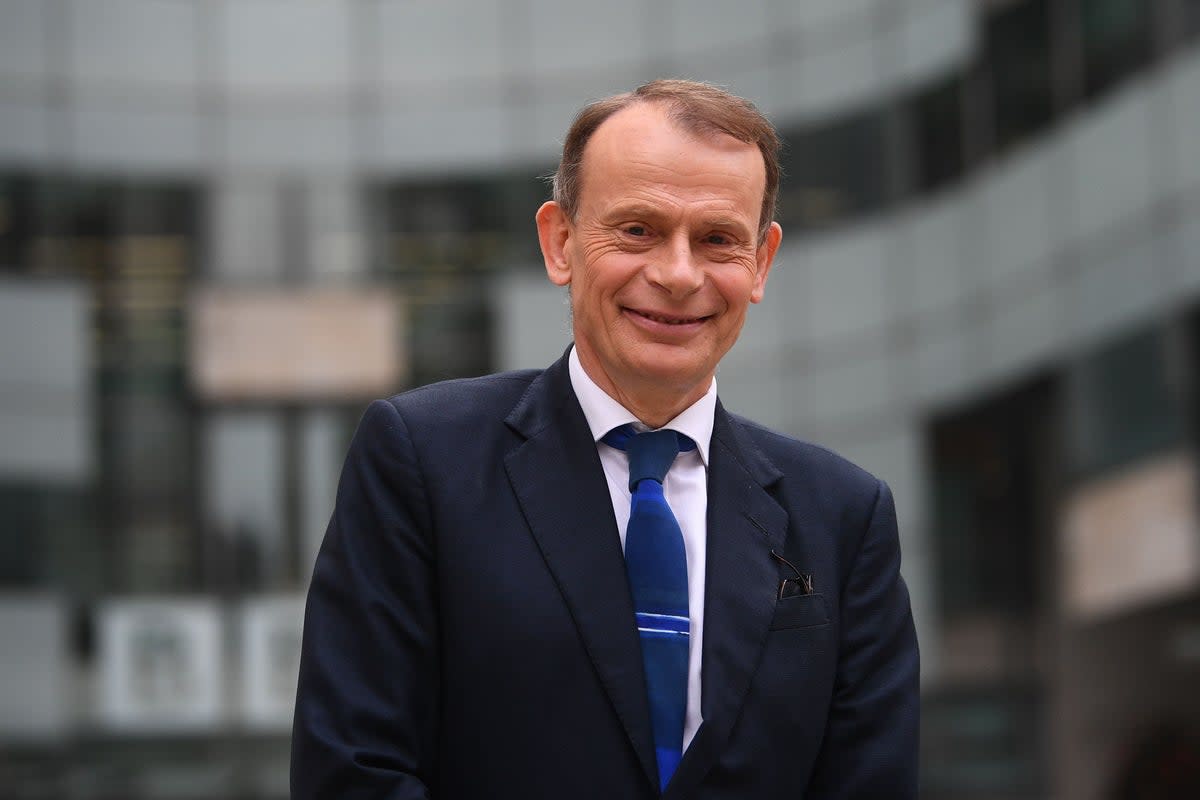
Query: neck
649	400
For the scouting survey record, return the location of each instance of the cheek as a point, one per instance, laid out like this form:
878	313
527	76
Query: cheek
605	277
736	284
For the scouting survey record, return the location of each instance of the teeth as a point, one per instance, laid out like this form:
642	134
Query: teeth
669	320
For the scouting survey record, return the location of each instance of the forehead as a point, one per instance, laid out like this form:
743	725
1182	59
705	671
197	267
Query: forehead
640	149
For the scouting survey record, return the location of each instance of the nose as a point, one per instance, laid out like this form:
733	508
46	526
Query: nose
675	268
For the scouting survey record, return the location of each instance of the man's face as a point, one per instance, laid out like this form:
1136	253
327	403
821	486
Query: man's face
663	257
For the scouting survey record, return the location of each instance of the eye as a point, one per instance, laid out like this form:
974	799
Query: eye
718	238
636	230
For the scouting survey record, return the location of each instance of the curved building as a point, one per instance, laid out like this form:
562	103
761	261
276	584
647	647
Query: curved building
224	226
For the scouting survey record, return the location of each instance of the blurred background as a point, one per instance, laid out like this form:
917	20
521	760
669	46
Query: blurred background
226	225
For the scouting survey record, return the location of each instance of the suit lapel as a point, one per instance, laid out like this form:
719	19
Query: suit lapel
741	585
559	482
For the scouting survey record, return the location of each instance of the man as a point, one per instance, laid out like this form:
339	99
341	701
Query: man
492	617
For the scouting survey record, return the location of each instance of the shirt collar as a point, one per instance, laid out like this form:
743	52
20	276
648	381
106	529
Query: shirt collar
604	413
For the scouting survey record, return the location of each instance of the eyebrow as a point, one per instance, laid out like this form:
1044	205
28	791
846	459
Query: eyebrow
650	212
727	222
633	210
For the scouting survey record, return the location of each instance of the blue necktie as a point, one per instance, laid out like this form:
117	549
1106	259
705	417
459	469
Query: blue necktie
656	563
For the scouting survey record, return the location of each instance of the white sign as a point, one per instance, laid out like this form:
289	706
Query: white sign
298	344
271	629
160	665
1133	537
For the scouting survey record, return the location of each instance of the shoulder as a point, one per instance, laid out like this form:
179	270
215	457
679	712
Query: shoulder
460	410
805	462
465	397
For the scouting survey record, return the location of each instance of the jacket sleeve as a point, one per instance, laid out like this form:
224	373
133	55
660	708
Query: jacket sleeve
367	698
870	748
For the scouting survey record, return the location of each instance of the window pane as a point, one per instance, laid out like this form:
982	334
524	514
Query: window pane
936	115
131	246
1122	403
22	516
459	224
1190	17
1017	47
1116	41
245	476
16	222
833	171
441	241
982	741
983	523
991	471
141	260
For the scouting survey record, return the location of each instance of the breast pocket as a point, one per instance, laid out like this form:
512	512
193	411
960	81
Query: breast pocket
800	611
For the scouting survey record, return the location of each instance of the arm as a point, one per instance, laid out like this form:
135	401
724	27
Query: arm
870	745
366	704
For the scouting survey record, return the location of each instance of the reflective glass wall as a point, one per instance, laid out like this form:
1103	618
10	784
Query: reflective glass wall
192	317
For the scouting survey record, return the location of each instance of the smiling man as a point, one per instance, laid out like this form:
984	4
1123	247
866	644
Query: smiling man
592	581
663	250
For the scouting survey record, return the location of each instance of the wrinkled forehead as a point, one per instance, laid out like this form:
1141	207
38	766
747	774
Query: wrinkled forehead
645	141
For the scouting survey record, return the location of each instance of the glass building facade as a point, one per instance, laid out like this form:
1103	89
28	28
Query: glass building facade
987	296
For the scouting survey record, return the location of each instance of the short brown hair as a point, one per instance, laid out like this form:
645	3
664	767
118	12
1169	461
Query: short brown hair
698	108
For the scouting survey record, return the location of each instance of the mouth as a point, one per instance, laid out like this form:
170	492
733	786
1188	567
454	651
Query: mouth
667	319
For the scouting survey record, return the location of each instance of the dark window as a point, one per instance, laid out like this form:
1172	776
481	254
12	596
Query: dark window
459	225
936	119
982	741
440	242
1017	52
16	222
1189	11
1122	403
1116	41
990	476
22	562
833	172
133	244
46	539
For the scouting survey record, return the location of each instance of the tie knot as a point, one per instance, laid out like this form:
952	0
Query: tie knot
651	453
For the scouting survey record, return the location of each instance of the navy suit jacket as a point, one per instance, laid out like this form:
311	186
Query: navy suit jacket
469	631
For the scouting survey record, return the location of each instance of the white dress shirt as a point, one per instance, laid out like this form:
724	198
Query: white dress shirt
686	490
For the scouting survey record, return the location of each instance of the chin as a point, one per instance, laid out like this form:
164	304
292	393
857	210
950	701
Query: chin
682	374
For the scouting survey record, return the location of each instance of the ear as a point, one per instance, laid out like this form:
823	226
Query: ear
764	257
554	231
